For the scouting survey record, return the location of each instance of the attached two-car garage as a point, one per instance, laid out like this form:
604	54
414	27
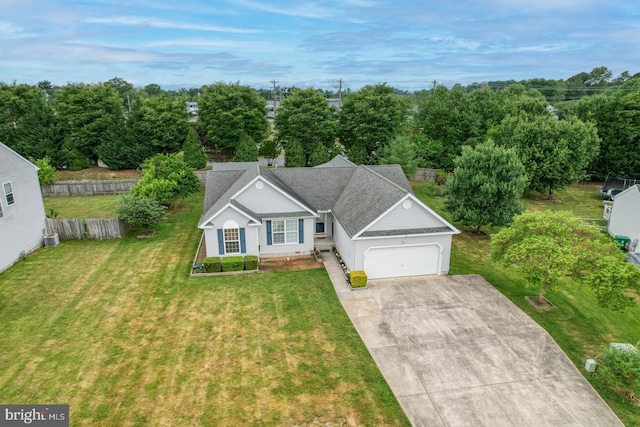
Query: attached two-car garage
400	261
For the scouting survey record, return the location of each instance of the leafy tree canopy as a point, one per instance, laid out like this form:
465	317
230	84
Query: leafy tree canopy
401	151
487	184
546	247
166	177
92	115
368	120
227	111
246	151
555	153
294	156
305	116
142	211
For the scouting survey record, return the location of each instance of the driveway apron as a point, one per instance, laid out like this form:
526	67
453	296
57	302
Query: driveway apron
456	352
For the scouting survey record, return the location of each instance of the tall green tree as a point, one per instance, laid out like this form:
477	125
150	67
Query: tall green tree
546	247
319	155
447	120
246	151
29	125
617	118
194	155
368	120
227	111
487	184
92	115
401	151
294	156
555	153
305	117
160	123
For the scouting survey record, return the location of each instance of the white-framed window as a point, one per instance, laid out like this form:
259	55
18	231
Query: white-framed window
231	233
1	211
8	193
284	231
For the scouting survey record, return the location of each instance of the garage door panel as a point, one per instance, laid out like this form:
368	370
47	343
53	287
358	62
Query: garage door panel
400	261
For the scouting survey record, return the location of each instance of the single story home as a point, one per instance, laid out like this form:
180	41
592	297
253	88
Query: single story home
22	215
369	213
624	216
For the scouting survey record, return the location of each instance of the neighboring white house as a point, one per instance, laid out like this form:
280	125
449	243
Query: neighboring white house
369	213
624	216
22	215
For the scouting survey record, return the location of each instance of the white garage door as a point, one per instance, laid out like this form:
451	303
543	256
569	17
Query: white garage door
399	261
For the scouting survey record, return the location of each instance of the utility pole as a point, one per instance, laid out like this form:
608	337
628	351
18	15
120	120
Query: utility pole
339	82
274	94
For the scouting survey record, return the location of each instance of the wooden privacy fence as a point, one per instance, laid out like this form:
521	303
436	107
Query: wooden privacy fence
87	228
424	174
88	188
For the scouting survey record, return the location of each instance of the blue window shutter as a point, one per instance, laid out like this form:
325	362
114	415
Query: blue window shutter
220	241
301	231
269	237
243	243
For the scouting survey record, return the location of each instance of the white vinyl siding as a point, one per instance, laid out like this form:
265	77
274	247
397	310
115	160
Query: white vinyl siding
8	193
285	232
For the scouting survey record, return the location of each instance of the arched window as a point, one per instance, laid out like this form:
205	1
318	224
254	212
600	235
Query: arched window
231	233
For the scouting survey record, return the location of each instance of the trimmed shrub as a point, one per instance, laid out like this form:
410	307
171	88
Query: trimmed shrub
358	279
250	262
212	265
232	263
621	370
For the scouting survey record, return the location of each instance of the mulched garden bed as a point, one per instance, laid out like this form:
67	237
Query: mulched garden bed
294	263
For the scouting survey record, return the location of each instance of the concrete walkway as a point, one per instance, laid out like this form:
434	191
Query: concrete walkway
456	352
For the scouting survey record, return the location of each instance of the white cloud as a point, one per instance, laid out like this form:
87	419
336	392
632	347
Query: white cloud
9	30
158	23
308	10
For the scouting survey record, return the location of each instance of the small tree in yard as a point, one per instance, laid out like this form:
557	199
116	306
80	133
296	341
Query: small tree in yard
319	155
166	177
46	172
486	186
620	368
142	211
401	152
270	150
194	155
294	156
546	247
246	151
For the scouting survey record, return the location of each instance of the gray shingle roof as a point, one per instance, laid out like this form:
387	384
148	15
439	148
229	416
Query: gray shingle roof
221	185
367	196
337	162
357	195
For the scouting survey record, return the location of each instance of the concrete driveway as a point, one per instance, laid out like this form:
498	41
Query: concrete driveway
456	352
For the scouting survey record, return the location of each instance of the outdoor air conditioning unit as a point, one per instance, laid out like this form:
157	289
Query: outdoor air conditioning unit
51	240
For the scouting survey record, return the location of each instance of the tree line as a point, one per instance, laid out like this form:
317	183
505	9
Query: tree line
78	124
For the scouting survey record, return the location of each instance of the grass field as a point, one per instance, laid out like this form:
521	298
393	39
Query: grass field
119	331
579	326
83	206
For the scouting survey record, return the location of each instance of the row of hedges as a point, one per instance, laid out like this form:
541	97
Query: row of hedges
230	263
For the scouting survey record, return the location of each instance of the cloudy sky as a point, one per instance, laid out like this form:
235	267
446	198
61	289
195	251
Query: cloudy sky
406	43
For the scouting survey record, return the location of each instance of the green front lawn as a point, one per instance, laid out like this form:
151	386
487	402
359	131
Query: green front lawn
579	326
119	331
82	206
